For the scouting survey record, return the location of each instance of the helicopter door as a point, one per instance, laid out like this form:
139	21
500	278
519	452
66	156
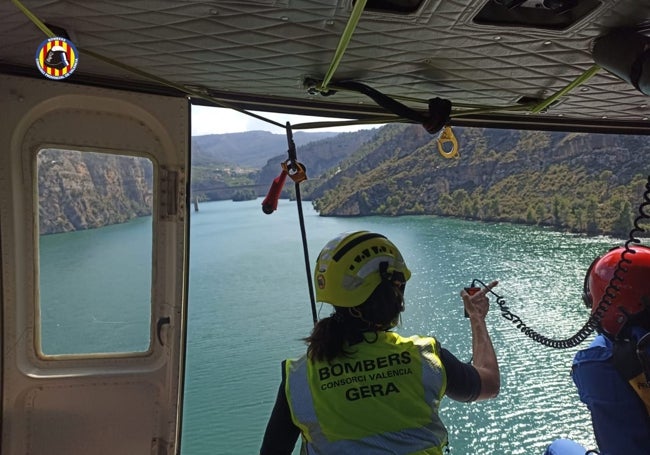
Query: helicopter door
93	238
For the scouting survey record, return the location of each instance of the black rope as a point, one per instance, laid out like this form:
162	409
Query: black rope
301	218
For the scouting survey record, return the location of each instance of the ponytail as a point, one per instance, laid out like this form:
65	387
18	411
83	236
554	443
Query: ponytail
332	336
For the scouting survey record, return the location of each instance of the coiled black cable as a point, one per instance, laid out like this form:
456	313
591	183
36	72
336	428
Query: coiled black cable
573	341
604	303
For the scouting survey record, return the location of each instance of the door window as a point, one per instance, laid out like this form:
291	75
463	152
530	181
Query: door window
95	252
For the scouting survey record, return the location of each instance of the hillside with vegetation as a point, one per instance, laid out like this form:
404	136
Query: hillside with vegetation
256	157
250	149
85	190
579	182
319	156
576	182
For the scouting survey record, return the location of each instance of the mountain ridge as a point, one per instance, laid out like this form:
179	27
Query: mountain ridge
251	149
564	180
570	181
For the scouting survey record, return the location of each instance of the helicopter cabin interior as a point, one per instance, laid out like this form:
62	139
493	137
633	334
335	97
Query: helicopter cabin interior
122	79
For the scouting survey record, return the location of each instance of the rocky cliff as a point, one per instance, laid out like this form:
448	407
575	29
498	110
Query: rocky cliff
576	181
87	190
580	182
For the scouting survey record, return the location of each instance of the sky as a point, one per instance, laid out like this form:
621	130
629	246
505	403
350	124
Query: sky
214	120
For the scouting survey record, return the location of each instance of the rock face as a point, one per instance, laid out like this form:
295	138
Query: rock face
87	190
572	181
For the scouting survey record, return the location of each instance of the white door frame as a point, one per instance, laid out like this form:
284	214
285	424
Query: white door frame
105	404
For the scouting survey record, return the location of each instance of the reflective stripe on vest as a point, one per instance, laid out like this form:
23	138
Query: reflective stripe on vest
384	398
641	383
641	386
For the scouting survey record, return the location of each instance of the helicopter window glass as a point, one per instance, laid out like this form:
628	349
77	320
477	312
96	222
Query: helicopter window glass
95	252
543	14
393	6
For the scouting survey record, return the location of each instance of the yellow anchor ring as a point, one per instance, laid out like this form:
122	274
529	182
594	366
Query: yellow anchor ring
447	135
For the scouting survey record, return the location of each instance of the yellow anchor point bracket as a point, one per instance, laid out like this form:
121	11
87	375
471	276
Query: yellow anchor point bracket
447	135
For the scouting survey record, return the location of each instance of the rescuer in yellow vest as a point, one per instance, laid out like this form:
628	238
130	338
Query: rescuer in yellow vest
361	388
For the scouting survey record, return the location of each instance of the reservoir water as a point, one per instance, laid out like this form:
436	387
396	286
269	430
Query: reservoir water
249	308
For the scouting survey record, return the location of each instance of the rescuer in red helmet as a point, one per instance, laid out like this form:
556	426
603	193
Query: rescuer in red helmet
613	374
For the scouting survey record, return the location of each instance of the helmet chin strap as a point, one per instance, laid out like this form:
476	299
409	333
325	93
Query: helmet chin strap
357	314
396	278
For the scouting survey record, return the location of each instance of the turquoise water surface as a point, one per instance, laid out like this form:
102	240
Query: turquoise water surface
249	309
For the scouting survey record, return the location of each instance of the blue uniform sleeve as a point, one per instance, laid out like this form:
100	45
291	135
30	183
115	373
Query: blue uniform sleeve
281	434
620	422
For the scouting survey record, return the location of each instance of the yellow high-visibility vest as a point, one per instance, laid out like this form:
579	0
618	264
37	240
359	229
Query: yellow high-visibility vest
383	398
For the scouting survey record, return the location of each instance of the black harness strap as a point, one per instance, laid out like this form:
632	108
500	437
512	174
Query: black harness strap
439	109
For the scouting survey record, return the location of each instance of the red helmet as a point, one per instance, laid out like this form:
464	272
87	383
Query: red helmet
626	289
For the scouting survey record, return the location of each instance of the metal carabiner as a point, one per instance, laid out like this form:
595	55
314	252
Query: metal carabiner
295	170
447	135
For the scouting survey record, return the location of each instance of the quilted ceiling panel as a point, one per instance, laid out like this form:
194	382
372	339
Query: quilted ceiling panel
257	54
